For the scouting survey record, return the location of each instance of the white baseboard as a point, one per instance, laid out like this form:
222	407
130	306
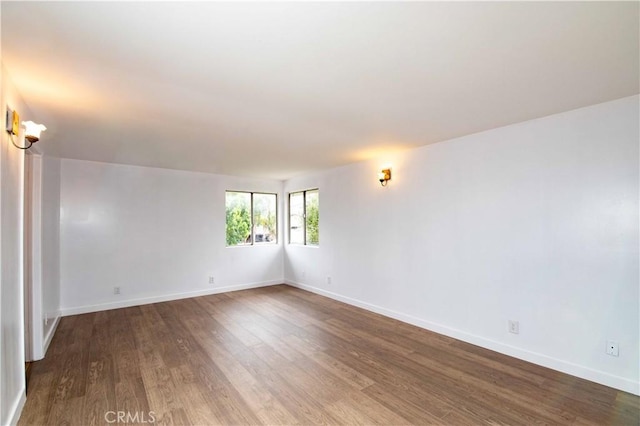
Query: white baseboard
65	312
586	373
49	336
16	408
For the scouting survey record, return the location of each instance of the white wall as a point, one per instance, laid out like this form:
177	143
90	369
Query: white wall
157	234
12	380
535	222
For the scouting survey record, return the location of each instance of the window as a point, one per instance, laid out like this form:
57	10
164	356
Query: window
251	218
304	217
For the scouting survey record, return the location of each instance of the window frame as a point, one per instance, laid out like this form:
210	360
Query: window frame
304	217
251	216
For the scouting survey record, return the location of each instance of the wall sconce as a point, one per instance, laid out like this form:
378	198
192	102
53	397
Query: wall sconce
31	130
384	176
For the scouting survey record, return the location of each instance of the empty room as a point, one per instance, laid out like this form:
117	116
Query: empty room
342	213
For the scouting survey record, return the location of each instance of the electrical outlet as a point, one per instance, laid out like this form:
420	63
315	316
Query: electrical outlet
612	348
212	280
329	280
116	290
514	327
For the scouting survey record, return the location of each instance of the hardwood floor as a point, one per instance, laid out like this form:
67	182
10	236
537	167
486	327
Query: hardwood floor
280	355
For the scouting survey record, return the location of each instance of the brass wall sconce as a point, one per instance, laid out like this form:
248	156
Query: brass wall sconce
32	130
384	176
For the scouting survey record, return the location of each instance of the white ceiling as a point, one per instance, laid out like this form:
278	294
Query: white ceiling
278	89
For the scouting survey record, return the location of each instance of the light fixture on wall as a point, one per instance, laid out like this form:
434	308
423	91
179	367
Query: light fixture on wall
384	176
31	130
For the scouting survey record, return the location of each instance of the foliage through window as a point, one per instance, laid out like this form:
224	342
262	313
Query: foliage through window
251	218
304	215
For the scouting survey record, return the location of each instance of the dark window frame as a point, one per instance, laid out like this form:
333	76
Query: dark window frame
252	243
304	217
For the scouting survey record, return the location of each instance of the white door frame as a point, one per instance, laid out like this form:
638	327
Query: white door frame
34	324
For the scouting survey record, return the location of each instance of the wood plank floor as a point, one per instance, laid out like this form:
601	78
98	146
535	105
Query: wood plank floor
280	355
